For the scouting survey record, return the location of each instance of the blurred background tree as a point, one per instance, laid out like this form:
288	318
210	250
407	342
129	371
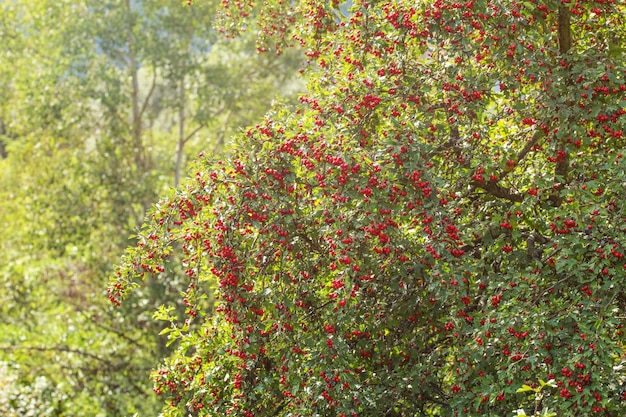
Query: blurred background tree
101	104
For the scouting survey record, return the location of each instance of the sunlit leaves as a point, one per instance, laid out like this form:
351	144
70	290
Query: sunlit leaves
437	226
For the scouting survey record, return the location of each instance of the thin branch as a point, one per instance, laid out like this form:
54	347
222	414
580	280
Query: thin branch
222	135
65	349
144	106
120	334
547	290
539	134
193	133
114	53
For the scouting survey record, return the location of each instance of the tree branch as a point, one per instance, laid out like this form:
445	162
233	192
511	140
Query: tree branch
65	349
193	133
146	101
120	334
539	134
496	190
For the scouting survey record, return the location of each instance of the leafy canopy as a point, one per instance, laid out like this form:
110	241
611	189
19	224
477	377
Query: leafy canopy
438	225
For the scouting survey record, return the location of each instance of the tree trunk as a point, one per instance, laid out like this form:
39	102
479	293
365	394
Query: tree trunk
181	133
561	169
133	69
3	132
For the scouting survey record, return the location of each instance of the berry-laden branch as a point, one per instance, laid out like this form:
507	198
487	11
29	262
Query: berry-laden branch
494	188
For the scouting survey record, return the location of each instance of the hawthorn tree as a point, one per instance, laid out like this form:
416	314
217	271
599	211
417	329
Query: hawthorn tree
438	229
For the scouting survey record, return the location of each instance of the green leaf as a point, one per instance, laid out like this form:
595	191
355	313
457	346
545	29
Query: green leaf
526	388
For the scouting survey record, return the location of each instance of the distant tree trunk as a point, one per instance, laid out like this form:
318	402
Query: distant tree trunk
181	133
133	69
3	132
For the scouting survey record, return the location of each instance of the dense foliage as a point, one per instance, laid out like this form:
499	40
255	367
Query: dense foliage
101	102
437	230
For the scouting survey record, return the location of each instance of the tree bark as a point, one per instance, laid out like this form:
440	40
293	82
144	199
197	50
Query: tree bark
561	170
